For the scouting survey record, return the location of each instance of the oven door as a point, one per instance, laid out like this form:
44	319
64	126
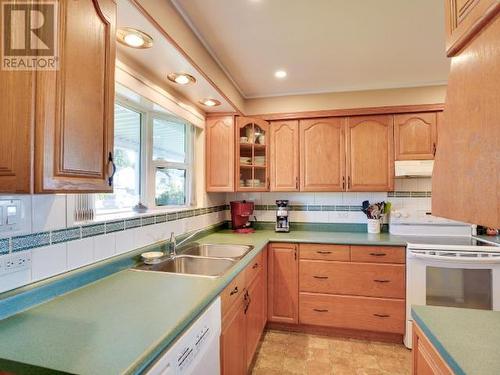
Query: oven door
451	278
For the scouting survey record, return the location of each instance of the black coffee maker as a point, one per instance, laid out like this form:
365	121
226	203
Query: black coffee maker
282	221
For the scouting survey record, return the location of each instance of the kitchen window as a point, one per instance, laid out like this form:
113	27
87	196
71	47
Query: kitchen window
153	154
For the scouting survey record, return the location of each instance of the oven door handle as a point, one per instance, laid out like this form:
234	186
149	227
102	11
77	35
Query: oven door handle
445	258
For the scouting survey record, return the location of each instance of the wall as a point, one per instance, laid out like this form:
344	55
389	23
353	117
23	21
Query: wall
344	100
410	194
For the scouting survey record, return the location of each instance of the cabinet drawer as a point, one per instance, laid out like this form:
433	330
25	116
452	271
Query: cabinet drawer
361	279
363	313
232	293
378	254
253	269
324	252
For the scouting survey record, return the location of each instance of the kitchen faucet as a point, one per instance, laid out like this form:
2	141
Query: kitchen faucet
174	244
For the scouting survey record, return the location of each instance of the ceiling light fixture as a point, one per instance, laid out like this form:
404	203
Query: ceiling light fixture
181	78
280	74
210	102
134	38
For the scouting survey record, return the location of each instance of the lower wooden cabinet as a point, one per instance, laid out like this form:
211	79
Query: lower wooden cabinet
362	313
283	286
426	359
244	306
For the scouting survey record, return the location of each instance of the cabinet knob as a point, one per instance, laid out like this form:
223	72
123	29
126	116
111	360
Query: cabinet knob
378	254
255	266
320	277
234	291
382	281
323	252
320	310
382	315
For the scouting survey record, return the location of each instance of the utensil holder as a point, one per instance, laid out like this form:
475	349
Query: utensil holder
374	225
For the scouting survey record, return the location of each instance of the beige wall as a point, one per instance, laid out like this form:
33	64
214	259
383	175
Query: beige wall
343	100
172	22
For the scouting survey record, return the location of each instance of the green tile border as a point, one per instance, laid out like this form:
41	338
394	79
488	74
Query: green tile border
39	239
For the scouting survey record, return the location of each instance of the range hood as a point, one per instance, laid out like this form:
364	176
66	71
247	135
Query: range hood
413	168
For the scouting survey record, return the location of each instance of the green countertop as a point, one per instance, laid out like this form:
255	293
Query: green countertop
120	323
467	339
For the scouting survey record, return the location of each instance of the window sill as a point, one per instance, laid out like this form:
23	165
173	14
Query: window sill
122	215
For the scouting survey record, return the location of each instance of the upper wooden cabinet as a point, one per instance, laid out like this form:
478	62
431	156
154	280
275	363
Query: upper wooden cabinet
370	157
466	176
252	154
322	154
16	129
284	166
464	19
283	283
415	136
75	104
220	154
57	126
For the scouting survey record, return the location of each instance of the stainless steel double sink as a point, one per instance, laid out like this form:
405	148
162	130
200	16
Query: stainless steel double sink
211	260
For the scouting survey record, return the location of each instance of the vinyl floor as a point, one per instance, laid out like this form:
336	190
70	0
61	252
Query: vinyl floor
287	353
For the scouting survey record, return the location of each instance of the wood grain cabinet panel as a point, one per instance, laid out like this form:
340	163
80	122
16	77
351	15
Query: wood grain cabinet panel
254	316
415	136
284	156
75	104
362	313
322	154
370	157
324	252
282	283
359	279
219	154
16	131
466	176
232	342
378	254
426	359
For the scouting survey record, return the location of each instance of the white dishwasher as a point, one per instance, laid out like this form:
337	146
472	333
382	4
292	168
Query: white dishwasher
196	352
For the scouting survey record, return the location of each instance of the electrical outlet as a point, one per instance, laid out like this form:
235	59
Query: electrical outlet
15	262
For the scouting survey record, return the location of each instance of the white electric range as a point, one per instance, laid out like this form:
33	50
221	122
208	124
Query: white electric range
446	265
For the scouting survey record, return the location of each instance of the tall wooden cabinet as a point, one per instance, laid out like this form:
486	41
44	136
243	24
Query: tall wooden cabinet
68	117
370	157
466	176
283	283
219	172
415	136
284	159
322	154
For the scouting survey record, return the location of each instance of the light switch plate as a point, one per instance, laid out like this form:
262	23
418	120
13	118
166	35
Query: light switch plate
17	224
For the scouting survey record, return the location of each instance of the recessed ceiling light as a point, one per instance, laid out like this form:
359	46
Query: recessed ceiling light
133	38
210	102
181	78
280	74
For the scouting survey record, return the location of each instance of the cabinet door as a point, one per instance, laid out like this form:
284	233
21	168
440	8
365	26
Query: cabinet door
426	359
322	154
232	347
220	154
370	157
254	314
415	136
284	156
75	104
16	129
252	154
283	285
465	19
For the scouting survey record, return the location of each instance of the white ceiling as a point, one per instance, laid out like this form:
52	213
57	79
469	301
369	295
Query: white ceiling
164	58
324	45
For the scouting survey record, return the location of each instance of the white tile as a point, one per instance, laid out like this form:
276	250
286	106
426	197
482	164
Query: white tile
124	241
424	184
104	246
49	212
309	216
328	198
399	184
351	199
48	261
254	197
80	252
338	217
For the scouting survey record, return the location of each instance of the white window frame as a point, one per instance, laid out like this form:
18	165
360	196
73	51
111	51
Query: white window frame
148	165
154	164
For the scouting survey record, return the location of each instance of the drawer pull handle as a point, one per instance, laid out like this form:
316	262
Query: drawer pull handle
234	291
382	281
378	254
382	315
323	252
320	310
321	277
255	266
